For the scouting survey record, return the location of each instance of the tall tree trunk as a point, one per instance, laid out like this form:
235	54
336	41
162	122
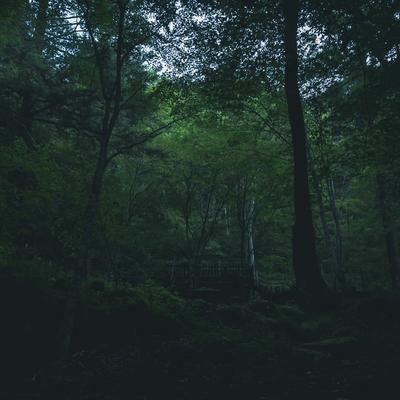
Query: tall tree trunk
79	271
241	208
322	214
227	222
340	278
112	108
250	250
243	244
390	234
305	263
335	247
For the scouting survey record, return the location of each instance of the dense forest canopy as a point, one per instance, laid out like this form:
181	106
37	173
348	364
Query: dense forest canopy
110	107
138	137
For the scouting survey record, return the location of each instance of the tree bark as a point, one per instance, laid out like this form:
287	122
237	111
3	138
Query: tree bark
241	202
250	250
322	215
340	278
309	281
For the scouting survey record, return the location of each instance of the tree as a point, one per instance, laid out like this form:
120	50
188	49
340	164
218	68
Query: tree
114	31
23	47
306	267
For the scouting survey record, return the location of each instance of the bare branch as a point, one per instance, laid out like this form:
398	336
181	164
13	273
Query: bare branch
144	138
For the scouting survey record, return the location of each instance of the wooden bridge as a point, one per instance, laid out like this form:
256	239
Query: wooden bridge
216	280
227	278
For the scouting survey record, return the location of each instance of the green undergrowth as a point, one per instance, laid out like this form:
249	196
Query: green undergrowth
146	340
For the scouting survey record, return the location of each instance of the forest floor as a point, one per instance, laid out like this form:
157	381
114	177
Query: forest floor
145	343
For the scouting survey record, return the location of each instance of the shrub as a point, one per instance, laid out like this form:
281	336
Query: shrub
158	299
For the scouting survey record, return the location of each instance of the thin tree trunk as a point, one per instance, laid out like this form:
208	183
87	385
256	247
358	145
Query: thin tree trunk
241	201
306	266
322	215
227	222
79	271
243	245
340	277
250	256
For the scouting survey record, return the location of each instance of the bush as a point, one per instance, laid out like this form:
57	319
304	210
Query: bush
158	299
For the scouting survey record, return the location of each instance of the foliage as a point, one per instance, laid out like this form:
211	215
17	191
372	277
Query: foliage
139	137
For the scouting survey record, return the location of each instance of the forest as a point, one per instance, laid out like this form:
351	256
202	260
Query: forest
199	199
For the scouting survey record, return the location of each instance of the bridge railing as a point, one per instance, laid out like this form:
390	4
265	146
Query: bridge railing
182	275
206	273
